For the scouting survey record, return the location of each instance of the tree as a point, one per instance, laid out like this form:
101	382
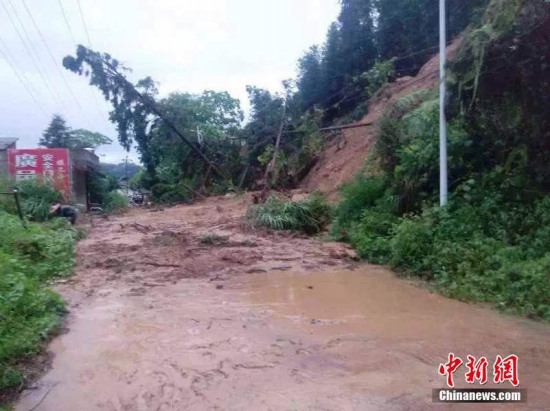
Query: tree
134	106
310	77
409	29
358	43
214	116
57	133
82	138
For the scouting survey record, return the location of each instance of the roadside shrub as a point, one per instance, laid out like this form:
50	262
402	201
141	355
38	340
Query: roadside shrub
370	236
29	311
357	195
115	201
35	198
411	245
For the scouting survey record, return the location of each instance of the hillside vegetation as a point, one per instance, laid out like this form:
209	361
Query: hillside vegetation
491	243
198	142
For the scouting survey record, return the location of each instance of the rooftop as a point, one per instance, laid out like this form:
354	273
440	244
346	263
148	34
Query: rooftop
7	142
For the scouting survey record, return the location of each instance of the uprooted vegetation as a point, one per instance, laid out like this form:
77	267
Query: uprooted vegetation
491	242
310	214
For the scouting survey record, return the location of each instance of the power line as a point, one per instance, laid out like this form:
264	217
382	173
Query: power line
21	77
67	22
14	61
84	24
55	62
101	114
36	64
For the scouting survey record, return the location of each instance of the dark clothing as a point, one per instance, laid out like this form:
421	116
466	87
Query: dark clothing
69	212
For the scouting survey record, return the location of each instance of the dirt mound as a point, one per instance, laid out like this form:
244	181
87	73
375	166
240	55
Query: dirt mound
144	249
345	152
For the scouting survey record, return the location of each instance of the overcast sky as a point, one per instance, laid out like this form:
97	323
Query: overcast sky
185	45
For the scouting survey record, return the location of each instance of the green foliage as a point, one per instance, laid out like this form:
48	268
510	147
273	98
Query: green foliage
29	312
57	133
100	186
35	198
81	139
370	42
115	202
357	195
310	214
487	250
491	242
379	75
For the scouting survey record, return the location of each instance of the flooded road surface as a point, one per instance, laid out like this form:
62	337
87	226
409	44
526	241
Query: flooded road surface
282	325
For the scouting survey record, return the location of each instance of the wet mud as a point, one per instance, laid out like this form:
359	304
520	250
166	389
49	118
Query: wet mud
160	320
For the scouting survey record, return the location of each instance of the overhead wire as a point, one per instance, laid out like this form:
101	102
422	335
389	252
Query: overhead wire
67	22
84	24
36	63
6	55
46	45
101	112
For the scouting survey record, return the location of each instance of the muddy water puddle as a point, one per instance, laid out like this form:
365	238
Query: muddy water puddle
336	340
393	334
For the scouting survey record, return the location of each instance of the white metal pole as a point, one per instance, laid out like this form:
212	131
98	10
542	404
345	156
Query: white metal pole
442	120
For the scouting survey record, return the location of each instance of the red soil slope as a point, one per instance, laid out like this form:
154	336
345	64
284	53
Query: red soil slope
345	153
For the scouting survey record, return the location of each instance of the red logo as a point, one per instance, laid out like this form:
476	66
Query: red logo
504	369
449	368
477	370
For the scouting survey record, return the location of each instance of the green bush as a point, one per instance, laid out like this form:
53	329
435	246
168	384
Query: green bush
35	198
370	235
310	214
411	245
29	311
115	201
488	250
379	75
357	195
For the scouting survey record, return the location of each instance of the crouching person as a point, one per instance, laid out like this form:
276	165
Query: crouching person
66	211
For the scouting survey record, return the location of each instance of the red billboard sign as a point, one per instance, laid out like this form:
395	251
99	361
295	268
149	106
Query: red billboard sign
47	163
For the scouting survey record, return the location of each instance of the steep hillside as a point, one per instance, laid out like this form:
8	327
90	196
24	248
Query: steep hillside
345	152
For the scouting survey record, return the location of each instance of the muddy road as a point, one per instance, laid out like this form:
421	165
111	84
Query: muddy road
165	315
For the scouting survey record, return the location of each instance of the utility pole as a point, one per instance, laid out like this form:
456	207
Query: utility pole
126	175
442	92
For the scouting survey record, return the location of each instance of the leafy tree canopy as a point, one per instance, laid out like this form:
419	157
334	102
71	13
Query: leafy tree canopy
59	135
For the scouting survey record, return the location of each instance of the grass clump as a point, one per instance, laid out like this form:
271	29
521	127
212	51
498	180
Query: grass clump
213	238
310	215
29	311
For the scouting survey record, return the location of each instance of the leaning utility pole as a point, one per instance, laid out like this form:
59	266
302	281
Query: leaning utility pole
442	120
